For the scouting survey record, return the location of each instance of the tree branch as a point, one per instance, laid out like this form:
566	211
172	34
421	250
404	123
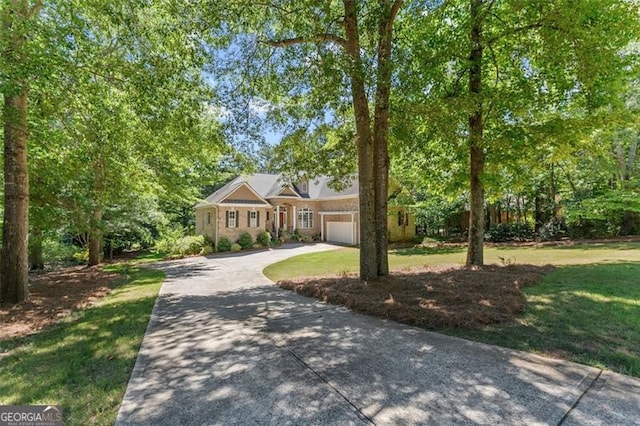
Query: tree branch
317	38
394	10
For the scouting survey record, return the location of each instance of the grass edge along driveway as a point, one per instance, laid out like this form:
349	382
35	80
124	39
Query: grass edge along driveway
587	310
84	362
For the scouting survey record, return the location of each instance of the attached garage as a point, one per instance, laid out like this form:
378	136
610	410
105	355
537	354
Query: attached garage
340	232
339	227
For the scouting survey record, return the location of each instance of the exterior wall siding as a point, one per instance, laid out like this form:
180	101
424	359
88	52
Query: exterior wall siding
202	226
400	233
241	223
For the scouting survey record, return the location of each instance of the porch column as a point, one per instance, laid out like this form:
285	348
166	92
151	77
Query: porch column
295	219
321	227
353	230
277	221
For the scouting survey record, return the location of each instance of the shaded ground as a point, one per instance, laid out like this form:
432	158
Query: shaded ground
432	297
53	296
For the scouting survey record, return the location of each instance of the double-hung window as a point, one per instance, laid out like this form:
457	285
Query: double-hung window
232	219
253	219
305	218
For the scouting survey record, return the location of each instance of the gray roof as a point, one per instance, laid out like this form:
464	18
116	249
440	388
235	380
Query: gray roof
270	185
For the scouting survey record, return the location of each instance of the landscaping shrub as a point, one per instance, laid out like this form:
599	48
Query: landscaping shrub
592	229
56	253
224	244
264	239
510	232
245	241
256	245
555	229
236	247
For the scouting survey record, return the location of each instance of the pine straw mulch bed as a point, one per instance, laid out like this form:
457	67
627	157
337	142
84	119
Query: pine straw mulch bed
53	296
432	297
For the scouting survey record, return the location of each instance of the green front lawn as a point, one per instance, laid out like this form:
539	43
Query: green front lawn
84	362
587	310
346	260
588	314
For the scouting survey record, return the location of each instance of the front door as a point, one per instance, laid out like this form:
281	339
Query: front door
282	219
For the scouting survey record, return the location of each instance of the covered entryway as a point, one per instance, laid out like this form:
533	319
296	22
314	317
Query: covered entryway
339	227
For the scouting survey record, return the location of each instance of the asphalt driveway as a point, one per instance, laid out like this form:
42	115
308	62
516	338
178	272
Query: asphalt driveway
225	346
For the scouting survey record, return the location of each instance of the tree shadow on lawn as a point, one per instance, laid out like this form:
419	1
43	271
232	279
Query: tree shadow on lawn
586	313
82	363
569	245
263	355
422	251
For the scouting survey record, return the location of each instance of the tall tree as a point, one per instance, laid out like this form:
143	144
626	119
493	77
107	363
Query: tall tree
17	17
532	68
346	51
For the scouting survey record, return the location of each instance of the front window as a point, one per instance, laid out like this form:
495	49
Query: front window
403	218
232	218
305	218
253	219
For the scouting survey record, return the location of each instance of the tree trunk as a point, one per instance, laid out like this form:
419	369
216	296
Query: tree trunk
36	259
381	132
95	238
475	255
14	258
366	170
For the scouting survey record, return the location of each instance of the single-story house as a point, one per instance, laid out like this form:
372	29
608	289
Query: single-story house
270	202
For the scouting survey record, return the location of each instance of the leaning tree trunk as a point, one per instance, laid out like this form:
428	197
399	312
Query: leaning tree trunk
475	255
366	169
15	230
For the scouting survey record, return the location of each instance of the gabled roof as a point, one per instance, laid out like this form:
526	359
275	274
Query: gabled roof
266	185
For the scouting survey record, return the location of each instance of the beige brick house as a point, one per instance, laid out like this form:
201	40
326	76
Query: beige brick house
269	202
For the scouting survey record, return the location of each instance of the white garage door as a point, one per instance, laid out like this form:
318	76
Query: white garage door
340	232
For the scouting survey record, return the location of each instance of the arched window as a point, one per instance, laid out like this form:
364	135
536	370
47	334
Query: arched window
305	218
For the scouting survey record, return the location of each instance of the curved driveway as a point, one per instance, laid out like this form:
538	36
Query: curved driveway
225	346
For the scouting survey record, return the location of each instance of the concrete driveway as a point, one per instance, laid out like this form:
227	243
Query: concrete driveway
225	346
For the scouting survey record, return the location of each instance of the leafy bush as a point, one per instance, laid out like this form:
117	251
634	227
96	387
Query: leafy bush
256	245
81	256
236	247
245	241
224	244
510	232
553	230
174	243
56	253
592	229
264	239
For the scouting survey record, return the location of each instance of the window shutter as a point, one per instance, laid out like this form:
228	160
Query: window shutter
227	218
258	219
248	219
237	218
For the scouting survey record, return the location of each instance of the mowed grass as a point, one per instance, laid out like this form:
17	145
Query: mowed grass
346	260
84	362
586	310
588	314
